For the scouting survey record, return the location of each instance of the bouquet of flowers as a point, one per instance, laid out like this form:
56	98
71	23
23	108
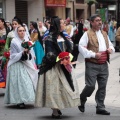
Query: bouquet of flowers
65	58
27	44
5	59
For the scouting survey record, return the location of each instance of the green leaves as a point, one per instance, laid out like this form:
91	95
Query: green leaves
90	2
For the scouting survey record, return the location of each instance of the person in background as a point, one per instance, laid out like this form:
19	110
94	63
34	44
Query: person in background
4	30
105	27
82	21
117	36
21	75
95	47
27	34
69	28
11	35
8	24
79	25
114	24
47	24
41	28
86	25
111	33
76	40
37	40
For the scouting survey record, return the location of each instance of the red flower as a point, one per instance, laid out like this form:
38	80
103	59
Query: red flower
2	42
27	44
85	29
30	43
63	54
6	54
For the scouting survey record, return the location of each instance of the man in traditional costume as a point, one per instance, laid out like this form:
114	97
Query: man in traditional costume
95	46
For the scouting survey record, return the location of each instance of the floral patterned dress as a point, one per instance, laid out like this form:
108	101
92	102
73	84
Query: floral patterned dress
2	44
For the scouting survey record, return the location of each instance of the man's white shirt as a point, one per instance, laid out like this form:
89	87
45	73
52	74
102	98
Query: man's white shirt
102	45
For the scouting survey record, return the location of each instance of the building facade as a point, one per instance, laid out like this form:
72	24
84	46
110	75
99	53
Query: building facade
27	10
74	9
35	10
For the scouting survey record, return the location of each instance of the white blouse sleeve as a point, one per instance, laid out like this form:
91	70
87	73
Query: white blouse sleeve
15	55
111	45
83	47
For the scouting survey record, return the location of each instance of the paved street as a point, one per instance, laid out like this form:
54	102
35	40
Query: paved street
112	100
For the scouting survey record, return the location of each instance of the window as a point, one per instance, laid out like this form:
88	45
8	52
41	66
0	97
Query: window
1	9
80	1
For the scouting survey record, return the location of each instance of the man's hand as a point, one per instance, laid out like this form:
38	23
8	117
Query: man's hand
109	51
97	55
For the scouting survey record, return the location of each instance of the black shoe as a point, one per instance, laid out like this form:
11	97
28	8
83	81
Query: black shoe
59	112
102	112
56	116
21	105
81	108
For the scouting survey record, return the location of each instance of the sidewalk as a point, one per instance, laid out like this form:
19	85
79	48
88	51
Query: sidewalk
113	86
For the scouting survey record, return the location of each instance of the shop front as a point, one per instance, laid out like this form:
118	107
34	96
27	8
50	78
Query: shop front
55	8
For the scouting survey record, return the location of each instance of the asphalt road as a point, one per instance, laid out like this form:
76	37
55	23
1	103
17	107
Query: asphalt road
11	112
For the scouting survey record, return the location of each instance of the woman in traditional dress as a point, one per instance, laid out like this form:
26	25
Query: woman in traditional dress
11	35
57	88
21	74
111	33
15	23
36	38
4	30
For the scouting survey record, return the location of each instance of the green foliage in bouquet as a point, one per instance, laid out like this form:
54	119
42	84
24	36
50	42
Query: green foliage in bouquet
27	44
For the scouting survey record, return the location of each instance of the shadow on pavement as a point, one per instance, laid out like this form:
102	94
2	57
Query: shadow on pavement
50	117
27	106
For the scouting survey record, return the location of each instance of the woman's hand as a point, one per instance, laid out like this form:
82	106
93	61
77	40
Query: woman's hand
26	50
65	61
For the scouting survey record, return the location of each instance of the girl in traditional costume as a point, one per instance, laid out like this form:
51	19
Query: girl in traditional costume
15	23
36	38
21	74
57	87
